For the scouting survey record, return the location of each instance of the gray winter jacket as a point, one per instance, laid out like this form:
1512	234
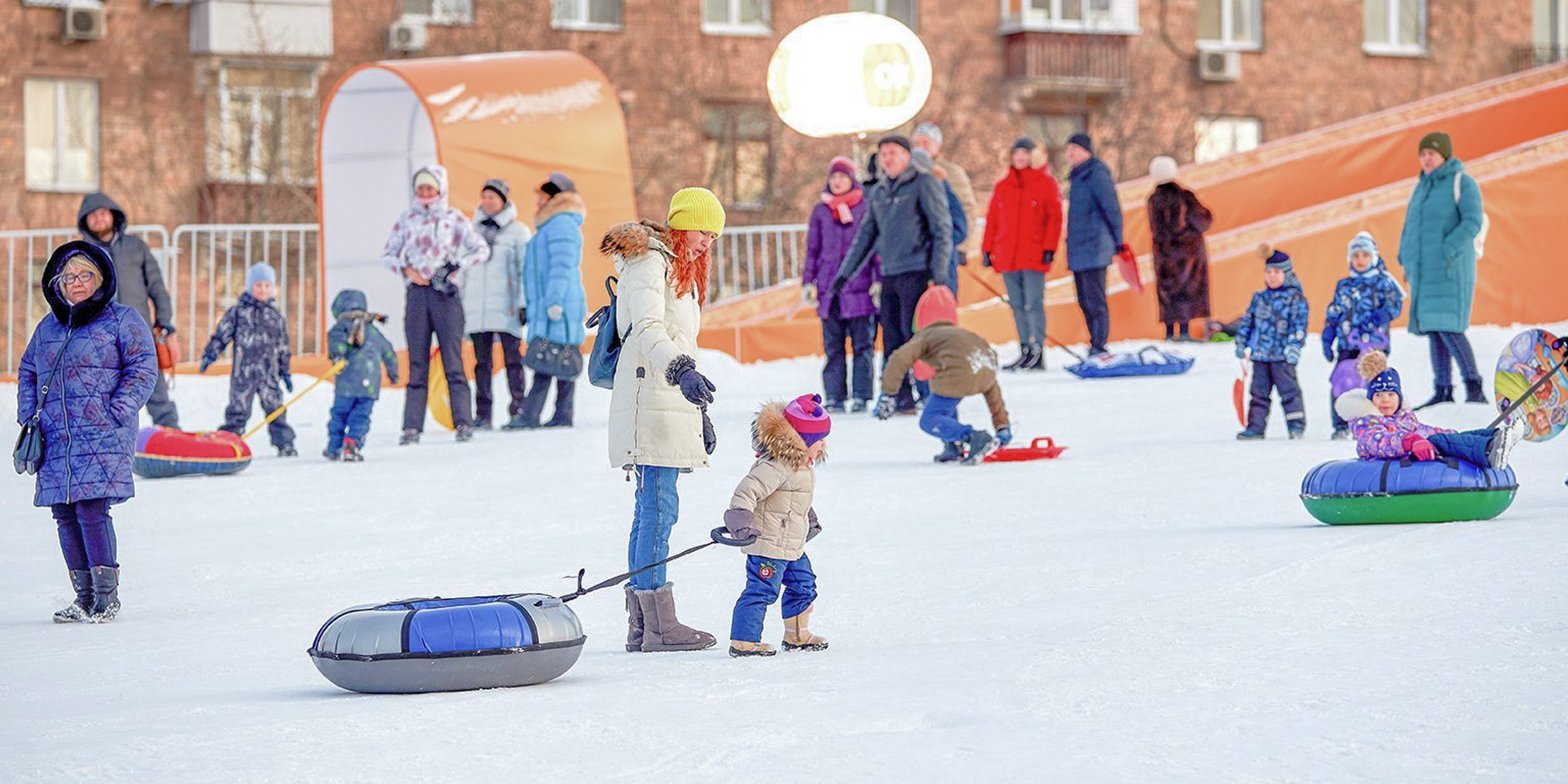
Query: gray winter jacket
908	225
493	287
134	265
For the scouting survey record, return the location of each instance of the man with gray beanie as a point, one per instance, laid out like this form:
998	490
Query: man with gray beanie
929	137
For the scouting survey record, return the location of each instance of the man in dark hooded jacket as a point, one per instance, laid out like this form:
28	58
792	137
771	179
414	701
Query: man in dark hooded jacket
103	223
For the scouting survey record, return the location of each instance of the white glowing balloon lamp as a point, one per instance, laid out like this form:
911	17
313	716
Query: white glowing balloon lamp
847	74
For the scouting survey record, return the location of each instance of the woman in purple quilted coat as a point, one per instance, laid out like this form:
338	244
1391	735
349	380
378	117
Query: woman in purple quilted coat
88	370
852	315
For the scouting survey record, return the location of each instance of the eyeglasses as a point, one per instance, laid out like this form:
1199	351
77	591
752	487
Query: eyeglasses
80	277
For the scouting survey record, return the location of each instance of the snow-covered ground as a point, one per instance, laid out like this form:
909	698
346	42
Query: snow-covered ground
1154	606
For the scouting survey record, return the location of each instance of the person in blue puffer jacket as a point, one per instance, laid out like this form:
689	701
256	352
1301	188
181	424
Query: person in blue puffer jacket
1271	335
556	302
1094	234
355	340
1365	303
86	373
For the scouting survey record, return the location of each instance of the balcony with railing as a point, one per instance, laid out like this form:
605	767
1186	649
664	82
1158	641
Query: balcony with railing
1074	62
1527	57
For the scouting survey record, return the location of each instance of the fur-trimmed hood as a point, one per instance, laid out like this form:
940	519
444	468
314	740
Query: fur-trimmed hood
563	203
634	238
772	437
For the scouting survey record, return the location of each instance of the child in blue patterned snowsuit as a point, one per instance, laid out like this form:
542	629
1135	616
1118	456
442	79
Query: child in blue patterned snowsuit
1271	334
1365	303
261	357
356	340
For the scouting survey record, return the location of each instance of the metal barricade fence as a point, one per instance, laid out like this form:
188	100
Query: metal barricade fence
750	258
209	276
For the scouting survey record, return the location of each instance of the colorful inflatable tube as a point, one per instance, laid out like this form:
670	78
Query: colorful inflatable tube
164	452
1150	361
1363	492
425	645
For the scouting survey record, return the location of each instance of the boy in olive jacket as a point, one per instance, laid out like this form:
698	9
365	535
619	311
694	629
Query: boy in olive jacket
958	364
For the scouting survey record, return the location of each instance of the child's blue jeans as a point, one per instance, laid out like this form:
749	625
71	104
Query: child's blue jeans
940	419
764	576
1469	446
351	418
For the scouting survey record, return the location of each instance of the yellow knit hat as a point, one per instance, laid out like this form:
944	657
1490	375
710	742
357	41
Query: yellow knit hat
696	209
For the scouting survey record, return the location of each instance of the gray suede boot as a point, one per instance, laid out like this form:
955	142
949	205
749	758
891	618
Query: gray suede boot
633	621
106	594
662	631
82	582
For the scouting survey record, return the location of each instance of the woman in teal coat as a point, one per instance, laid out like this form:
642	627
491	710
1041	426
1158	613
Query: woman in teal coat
1437	250
553	292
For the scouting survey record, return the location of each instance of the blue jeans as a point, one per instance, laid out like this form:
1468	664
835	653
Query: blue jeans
1026	296
764	576
940	419
350	417
1469	446
86	534
861	331
657	508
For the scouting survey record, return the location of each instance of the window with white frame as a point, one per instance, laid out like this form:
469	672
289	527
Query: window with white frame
735	17
261	125
1070	16
61	130
1230	25
1394	26
738	148
1549	30
1221	136
903	10
585	14
440	12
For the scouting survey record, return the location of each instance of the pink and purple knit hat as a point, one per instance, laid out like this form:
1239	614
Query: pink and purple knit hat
806	415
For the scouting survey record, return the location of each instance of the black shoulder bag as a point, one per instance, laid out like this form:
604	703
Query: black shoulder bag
29	453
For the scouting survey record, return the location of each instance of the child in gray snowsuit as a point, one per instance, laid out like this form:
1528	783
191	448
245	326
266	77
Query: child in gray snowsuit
261	357
355	340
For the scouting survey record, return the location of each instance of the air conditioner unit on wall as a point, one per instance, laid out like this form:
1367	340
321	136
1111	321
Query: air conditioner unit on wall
1219	66
84	22
406	36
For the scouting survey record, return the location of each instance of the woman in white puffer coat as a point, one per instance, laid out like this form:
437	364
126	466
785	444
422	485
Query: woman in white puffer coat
658	420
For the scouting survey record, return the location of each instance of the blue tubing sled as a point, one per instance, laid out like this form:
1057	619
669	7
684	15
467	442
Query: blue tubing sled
1359	492
1149	361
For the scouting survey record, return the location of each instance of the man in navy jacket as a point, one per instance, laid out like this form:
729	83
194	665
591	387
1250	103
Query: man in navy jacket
1094	234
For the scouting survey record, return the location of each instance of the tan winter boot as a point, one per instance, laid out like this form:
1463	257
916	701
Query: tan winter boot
633	621
739	648
661	630
798	638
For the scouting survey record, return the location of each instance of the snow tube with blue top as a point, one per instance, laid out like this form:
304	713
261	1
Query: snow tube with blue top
1150	361
162	452
1359	492
425	645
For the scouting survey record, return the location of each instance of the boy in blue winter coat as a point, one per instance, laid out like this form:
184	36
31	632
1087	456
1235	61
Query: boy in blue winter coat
260	336
1365	303
1271	334
356	340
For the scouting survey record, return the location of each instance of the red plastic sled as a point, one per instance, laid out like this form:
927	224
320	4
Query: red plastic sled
1127	265
1034	451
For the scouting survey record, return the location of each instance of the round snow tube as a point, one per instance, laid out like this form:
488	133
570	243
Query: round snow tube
1360	492
424	645
165	451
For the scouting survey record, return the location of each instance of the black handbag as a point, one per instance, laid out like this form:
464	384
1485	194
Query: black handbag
553	359
28	456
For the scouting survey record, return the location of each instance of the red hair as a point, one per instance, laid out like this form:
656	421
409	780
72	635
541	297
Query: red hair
688	274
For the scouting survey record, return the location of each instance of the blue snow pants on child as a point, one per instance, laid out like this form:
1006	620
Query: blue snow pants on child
1469	446
86	534
657	508
763	578
1267	377
940	419
350	417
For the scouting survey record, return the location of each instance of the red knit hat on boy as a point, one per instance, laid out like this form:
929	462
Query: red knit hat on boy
806	415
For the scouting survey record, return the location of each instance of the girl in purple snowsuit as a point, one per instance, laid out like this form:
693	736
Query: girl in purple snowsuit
853	313
1390	432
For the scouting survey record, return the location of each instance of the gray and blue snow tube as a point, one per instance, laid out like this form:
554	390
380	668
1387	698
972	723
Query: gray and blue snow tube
424	645
1150	361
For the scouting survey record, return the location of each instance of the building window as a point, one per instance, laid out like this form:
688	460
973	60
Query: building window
61	119
1221	136
262	126
1549	31
440	12
1395	27
1071	16
738	143
1230	25
586	15
1051	132
735	17
902	10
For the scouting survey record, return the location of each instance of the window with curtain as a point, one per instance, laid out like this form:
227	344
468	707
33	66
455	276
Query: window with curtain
261	126
1549	30
1230	25
1071	16
1222	136
735	17
441	12
61	134
586	14
738	149
903	10
1394	26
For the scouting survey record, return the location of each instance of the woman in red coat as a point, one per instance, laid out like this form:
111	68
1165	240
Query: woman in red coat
1022	226
1181	259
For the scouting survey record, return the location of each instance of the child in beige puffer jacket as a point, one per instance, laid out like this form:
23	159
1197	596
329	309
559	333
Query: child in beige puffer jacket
774	503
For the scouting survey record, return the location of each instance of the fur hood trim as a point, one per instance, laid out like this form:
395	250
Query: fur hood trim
772	437
634	238
560	204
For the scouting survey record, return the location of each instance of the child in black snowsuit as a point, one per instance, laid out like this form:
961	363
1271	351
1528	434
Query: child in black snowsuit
261	357
355	340
1271	334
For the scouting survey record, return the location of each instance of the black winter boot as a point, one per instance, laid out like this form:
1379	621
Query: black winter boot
106	594
1036	357
1024	355
1439	395
82	583
1474	393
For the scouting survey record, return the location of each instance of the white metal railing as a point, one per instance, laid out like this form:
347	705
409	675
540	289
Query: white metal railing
26	251
209	276
750	258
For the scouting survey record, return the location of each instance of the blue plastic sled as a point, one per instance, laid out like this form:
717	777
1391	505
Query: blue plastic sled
1150	361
